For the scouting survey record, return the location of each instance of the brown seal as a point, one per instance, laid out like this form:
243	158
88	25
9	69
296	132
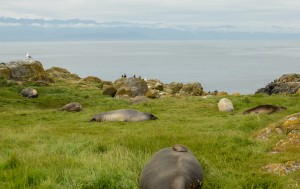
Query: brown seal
124	115
172	168
264	109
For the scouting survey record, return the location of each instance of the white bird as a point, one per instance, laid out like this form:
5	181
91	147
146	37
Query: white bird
28	56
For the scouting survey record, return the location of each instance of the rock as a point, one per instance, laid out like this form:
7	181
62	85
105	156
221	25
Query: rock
139	99
225	105
286	84
5	72
288	132
192	89
173	87
42	78
222	93
73	107
91	79
21	70
153	93
159	86
289	78
123	92
282	169
109	90
29	93
155	84
131	87
57	73
24	70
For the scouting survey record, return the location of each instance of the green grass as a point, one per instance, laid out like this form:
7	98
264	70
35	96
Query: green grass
42	147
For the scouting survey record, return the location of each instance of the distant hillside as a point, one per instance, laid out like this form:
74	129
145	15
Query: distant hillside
12	29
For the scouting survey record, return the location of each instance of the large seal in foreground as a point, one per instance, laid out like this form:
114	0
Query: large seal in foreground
264	109
123	115
172	168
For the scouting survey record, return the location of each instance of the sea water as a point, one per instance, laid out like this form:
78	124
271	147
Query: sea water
232	66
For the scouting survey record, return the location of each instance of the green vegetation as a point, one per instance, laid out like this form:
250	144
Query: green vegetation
42	147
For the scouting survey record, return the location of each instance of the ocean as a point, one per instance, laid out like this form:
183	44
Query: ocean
231	66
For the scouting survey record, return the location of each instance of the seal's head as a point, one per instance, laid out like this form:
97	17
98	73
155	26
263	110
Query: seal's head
153	117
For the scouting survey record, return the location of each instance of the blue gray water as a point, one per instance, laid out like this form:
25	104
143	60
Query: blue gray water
232	66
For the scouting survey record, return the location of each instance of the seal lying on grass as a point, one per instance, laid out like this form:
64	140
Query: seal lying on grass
264	109
123	115
172	168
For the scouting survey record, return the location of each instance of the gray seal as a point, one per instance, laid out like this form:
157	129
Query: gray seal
264	109
172	168
72	107
29	93
124	115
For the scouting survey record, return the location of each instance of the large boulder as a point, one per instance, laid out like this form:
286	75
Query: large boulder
193	89
225	105
21	70
286	84
131	87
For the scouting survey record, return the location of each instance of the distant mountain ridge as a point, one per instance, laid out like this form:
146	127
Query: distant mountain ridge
12	29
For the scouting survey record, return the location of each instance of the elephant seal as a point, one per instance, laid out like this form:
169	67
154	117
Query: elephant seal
172	168
72	107
29	93
124	115
264	109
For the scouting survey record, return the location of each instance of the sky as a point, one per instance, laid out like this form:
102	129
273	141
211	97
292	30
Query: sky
249	15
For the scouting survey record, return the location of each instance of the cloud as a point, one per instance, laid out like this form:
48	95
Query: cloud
253	14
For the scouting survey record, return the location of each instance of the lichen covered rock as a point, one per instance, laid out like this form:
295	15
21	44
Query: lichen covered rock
192	89
282	168
57	73
153	93
173	87
286	84
131	87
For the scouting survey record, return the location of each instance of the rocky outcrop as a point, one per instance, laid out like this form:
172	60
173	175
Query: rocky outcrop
225	105
282	168
91	79
29	93
22	70
192	89
155	84
57	73
173	87
73	107
286	84
131	87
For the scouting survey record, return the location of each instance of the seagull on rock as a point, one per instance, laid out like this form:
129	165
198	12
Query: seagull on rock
28	56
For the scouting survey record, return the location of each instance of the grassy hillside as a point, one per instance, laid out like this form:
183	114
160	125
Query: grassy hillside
42	147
